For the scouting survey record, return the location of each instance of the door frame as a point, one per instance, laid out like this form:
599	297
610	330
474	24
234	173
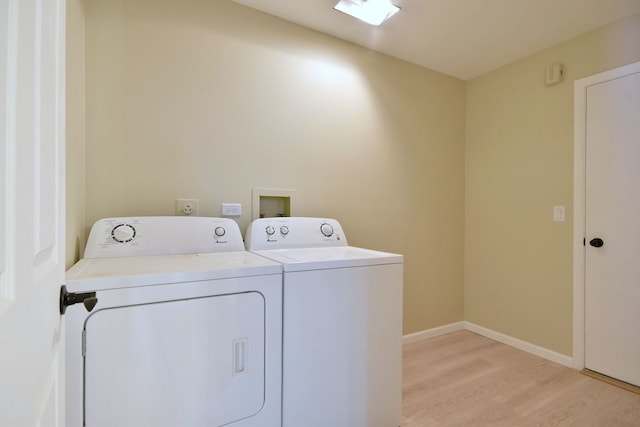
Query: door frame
579	201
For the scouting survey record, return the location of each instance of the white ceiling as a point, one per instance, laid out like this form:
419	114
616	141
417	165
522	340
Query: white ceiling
462	38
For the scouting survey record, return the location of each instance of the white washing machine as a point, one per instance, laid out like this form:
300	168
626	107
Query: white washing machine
186	328
342	324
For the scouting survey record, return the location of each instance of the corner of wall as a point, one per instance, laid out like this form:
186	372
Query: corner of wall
75	135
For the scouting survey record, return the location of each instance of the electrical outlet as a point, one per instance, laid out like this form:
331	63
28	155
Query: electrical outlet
187	207
231	209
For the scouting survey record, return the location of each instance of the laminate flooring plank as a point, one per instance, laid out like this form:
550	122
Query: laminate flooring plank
464	379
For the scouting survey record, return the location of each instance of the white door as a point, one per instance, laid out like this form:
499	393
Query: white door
31	211
612	274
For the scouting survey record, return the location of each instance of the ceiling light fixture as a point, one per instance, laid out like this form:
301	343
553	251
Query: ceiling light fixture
373	12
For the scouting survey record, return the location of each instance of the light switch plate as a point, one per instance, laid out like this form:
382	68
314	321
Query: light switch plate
558	213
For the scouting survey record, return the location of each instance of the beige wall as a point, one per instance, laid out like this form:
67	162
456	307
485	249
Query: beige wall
208	99
519	164
75	124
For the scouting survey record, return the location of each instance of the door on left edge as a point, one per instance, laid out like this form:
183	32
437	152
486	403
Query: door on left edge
32	57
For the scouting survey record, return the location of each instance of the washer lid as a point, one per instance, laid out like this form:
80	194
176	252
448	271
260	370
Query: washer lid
302	259
126	272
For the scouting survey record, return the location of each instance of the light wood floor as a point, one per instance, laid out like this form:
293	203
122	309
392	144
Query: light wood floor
464	379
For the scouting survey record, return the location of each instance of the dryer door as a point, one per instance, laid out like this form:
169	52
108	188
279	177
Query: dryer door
193	362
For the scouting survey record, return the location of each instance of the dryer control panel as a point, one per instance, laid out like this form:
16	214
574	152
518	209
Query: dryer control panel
294	232
162	235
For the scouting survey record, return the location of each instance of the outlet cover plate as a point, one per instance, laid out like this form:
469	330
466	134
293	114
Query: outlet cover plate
231	209
187	207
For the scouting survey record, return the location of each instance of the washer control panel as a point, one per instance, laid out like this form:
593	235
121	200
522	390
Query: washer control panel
140	236
294	232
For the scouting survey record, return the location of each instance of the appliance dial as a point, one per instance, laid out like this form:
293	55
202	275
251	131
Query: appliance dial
270	230
326	229
220	231
284	230
123	233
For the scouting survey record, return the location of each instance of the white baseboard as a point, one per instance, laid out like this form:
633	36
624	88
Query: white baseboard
430	333
521	345
497	336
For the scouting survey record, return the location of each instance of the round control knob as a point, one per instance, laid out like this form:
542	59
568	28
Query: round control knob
220	231
123	233
326	229
284	230
270	230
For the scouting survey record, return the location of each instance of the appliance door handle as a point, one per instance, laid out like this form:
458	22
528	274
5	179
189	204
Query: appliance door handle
88	299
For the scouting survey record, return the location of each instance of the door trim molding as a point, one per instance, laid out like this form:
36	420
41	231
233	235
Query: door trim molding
579	199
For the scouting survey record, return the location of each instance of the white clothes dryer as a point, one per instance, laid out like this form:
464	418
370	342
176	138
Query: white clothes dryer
342	324
186	329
